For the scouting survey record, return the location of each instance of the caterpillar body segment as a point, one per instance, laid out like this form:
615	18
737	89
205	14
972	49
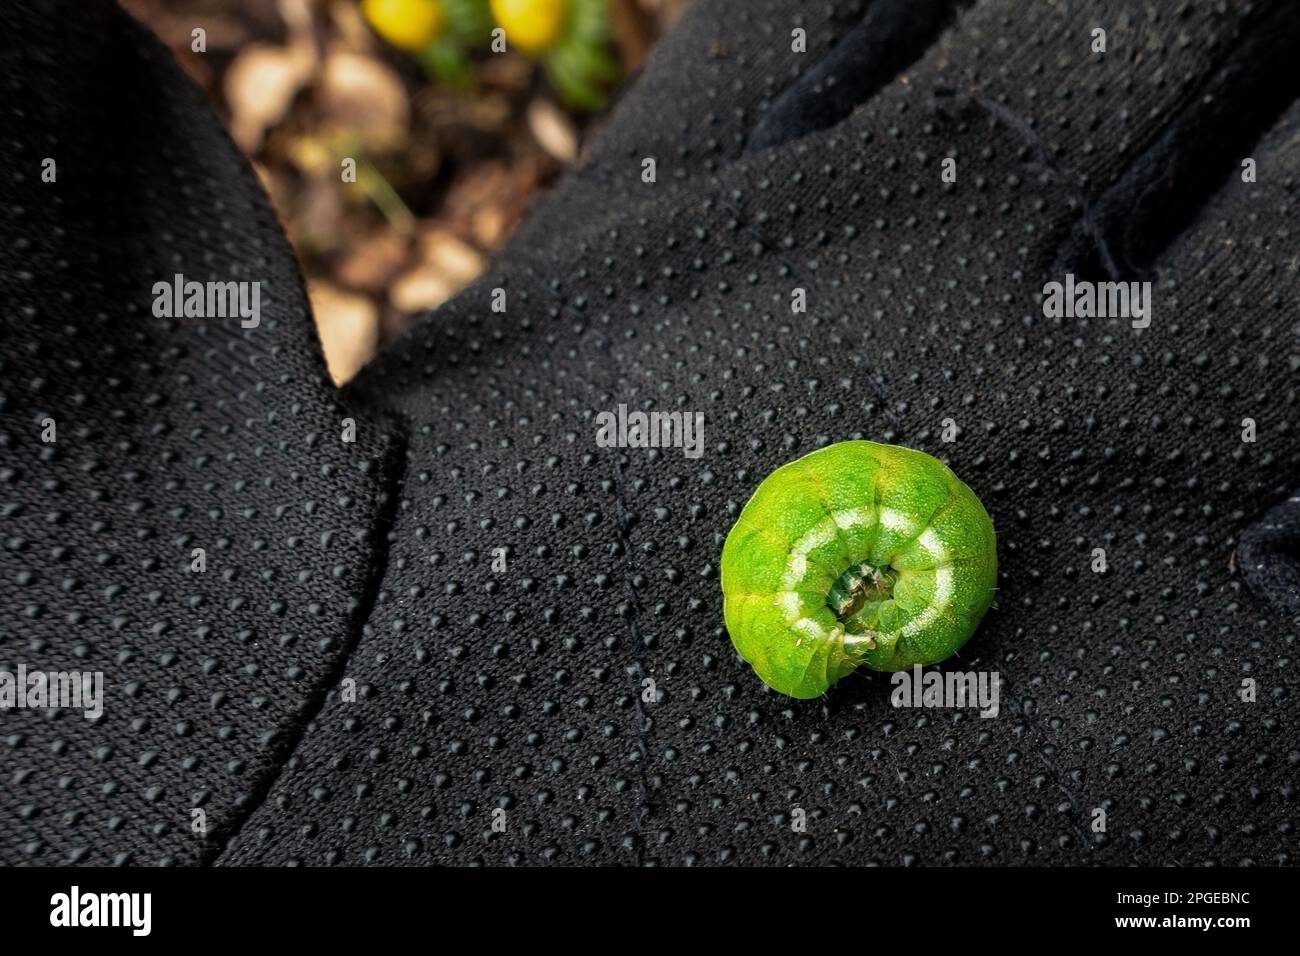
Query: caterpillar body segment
857	555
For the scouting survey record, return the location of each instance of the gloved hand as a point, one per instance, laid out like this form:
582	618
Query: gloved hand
525	689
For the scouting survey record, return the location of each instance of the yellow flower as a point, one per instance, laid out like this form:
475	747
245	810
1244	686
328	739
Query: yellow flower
531	25
407	24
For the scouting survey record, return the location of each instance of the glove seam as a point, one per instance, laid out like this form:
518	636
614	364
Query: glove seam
394	460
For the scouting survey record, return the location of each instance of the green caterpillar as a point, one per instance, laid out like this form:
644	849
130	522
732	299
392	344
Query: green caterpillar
858	554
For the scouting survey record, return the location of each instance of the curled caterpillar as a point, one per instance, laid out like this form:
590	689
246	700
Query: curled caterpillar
856	555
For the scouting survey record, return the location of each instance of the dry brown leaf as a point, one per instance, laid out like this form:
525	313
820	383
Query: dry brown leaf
351	26
489	198
361	93
447	265
372	263
348	325
317	224
666	12
264	78
445	108
489	225
553	130
296	15
512	74
634	31
260	86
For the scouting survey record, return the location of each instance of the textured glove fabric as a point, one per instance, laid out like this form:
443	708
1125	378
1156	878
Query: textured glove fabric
589	689
169	435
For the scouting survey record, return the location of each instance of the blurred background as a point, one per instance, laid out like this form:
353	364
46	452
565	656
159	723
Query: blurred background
401	141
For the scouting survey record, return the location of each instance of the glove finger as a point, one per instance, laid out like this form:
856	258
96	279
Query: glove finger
890	37
1124	104
1162	190
1094	99
1223	352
